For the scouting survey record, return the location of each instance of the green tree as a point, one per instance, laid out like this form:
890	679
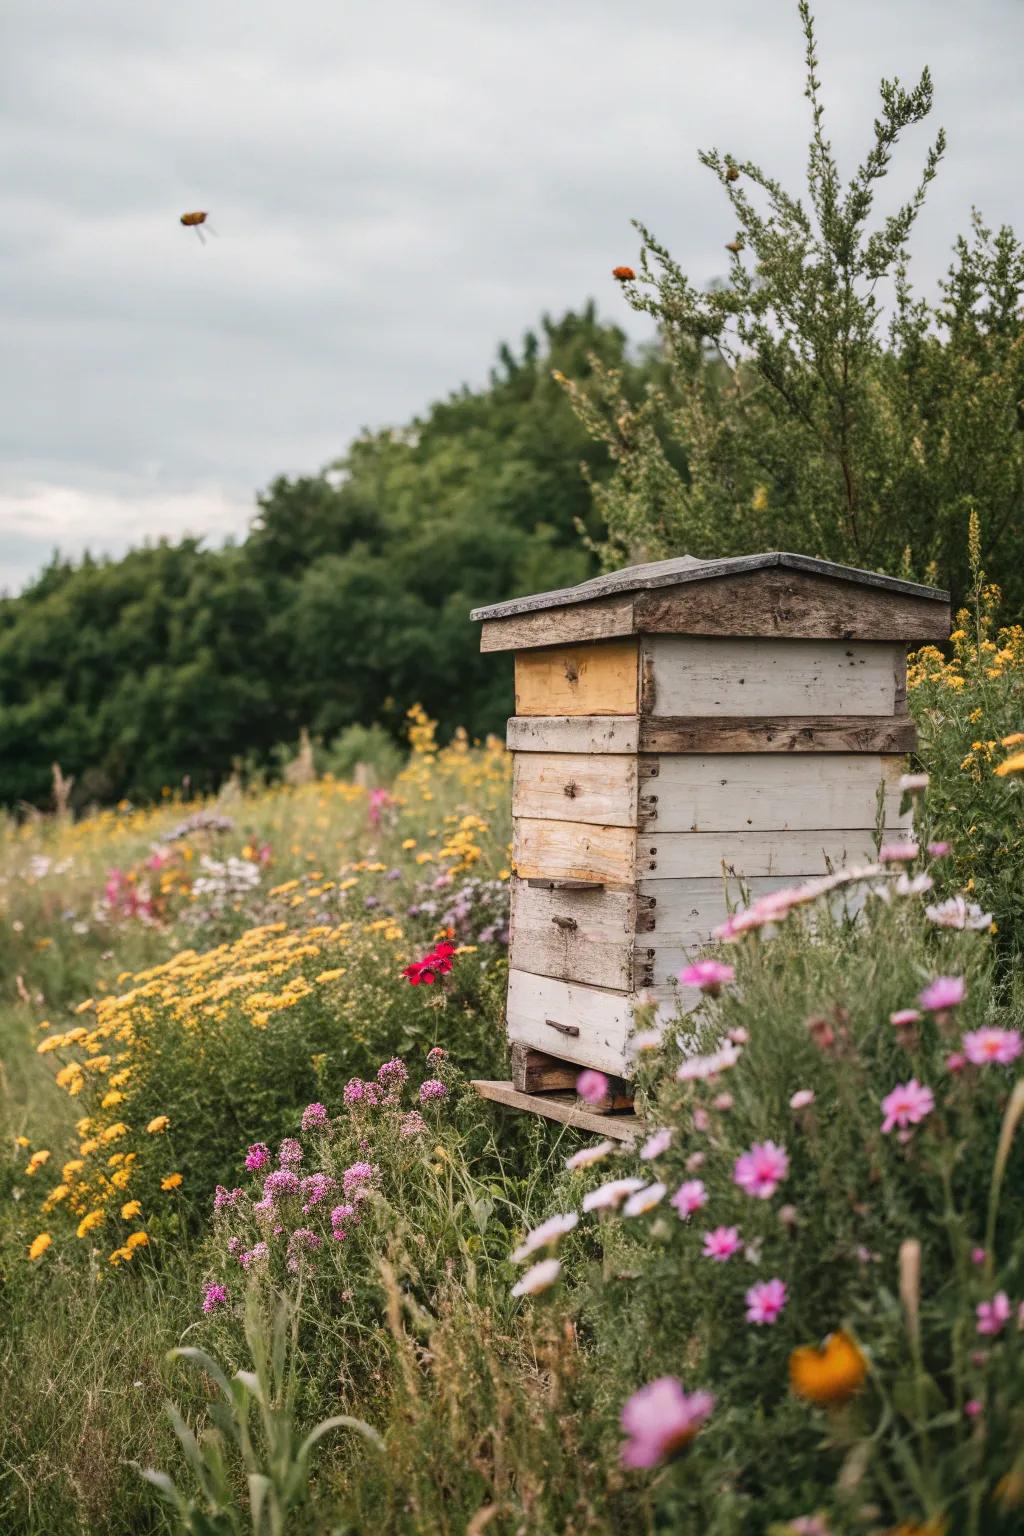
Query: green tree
802	411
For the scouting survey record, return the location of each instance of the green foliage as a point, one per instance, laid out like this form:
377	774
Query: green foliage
274	1460
797	414
347	603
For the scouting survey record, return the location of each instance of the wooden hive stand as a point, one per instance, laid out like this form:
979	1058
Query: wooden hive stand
677	723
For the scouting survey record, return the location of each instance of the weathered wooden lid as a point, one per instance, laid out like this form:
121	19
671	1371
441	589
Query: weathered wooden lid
775	593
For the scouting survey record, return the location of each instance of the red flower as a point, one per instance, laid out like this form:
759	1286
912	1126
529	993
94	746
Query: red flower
426	971
624	274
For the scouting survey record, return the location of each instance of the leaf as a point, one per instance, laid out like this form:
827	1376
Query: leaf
341	1421
252	1384
259	1489
912	1393
205	1362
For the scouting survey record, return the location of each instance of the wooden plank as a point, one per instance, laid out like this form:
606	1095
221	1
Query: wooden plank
536	1072
794	733
682	913
599	679
600	620
573	850
796	605
573	733
743	790
557	785
578	936
543	1012
568	1110
678	855
694	676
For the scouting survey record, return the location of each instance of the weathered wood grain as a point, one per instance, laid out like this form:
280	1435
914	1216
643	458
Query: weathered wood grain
684	855
573	733
561	786
599	620
573	850
696	676
778	733
536	1072
570	1111
578	936
795	605
599	679
542	1009
732	792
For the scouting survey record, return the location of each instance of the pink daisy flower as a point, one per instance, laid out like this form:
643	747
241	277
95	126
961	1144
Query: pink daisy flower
761	1170
592	1086
802	1099
904	1017
898	853
660	1420
907	1104
765	1301
689	1197
709	975
721	1244
1001	1046
943	993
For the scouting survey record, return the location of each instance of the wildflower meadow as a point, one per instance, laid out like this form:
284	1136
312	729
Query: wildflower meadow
269	1263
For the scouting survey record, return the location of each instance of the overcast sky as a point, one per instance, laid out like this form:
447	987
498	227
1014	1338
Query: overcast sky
396	185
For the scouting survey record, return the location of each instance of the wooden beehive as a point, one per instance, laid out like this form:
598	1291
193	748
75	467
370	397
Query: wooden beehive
676	723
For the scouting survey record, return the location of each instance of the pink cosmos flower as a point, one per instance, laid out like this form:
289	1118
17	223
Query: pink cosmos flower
903	1017
644	1200
216	1296
538	1278
656	1144
939	850
592	1086
721	1244
689	1197
972	1408
912	783
608	1197
802	1099
907	1104
589	1155
1000	1046
765	1301
898	853
995	1314
660	1420
700	1068
956	1061
546	1235
943	993
761	1170
709	975
258	1156
958	913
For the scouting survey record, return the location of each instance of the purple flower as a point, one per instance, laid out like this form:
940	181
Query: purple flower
943	993
302	1237
393	1073
660	1420
223	1197
761	1170
280	1183
765	1301
995	1314
357	1177
216	1296
289	1152
433	1088
256	1254
354	1091
257	1157
341	1214
315	1188
234	1245
313	1115
412	1124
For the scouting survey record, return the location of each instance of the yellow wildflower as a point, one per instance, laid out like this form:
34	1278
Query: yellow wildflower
1014	764
831	1374
36	1161
93	1219
120	1178
114	1132
109	1100
39	1245
158	1123
131	1208
171	1182
136	1240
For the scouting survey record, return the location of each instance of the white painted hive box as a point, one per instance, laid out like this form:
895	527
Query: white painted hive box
676	724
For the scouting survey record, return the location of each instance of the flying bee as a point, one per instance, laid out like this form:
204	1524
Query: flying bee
194	221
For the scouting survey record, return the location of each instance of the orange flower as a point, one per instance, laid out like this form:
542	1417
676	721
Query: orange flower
624	274
1014	764
831	1374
